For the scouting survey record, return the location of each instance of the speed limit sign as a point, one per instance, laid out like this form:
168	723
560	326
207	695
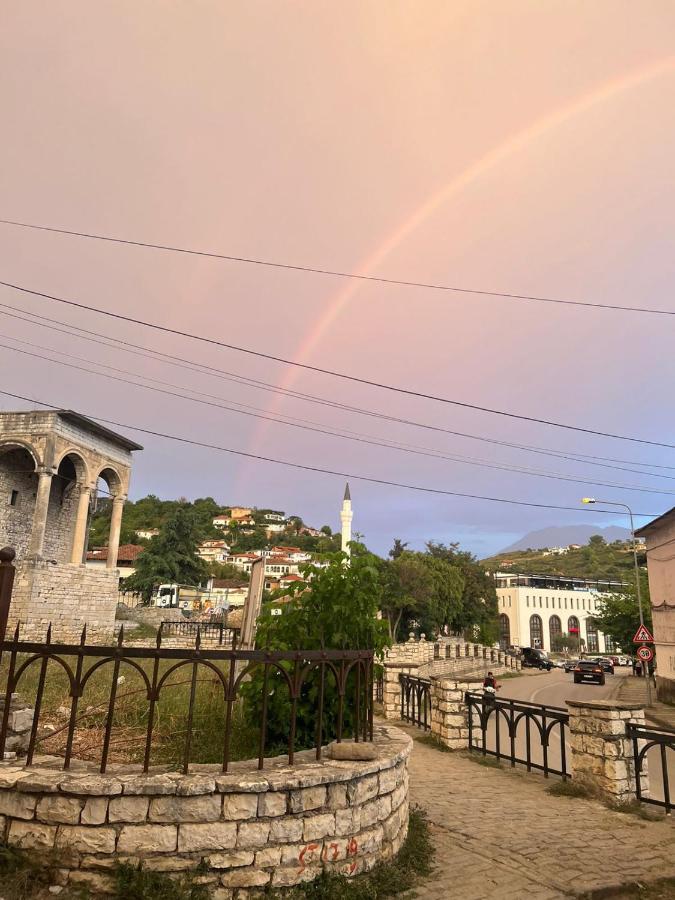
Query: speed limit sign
646	654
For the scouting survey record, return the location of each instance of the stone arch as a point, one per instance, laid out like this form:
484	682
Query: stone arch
16	444
112	478
78	462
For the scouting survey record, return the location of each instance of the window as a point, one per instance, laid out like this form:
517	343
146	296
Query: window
573	627
504	631
14	498
555	631
536	631
592	635
527	601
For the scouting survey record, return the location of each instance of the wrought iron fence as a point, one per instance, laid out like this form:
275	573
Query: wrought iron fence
348	672
207	630
416	701
647	739
529	732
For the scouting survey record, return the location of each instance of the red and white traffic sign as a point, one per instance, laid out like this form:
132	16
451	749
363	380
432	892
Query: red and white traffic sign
643	636
646	654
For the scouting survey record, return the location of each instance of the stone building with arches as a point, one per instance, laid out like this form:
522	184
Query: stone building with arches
534	610
51	463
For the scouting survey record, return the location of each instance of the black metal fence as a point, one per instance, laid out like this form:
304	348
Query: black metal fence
212	631
416	701
653	746
347	673
522	733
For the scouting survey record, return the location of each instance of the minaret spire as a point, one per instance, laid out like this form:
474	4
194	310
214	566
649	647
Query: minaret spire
346	515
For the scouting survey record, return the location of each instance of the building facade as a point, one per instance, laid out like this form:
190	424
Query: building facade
660	538
536	610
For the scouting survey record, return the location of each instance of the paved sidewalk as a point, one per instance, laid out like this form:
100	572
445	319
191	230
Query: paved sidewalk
634	690
499	835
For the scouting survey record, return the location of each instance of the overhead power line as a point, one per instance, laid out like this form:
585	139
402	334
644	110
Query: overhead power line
200	368
211	400
334	374
336	273
322	471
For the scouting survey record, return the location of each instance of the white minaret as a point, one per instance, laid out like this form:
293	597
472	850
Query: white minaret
346	515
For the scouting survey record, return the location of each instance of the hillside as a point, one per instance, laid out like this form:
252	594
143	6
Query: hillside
596	560
564	535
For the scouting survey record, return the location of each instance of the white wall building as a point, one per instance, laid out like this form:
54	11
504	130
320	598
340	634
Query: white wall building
533	609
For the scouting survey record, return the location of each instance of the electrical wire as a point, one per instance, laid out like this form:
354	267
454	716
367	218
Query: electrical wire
315	427
334	273
200	368
321	471
342	375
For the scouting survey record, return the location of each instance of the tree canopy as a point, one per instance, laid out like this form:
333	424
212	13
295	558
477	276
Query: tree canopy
618	614
170	557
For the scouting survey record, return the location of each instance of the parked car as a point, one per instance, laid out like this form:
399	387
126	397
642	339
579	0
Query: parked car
605	663
570	665
588	670
536	659
625	661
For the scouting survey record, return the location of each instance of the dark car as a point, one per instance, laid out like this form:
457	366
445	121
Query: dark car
536	659
570	665
605	663
588	670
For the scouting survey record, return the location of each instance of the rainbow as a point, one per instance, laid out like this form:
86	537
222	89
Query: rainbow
513	144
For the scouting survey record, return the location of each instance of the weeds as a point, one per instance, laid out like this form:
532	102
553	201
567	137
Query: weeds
432	741
568	789
136	883
490	762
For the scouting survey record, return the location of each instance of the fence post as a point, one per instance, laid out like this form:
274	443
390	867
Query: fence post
602	755
449	712
7	571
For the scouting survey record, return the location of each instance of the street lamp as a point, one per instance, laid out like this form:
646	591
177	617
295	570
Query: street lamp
637	573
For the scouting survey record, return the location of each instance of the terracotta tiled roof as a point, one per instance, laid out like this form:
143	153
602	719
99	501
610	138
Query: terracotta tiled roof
127	553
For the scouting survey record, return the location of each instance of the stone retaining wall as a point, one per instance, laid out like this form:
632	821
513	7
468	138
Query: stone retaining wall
279	827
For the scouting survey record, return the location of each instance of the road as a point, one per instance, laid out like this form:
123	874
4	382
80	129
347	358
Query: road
554	689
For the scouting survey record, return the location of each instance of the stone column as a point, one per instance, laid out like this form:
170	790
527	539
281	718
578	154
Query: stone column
80	533
37	537
449	712
602	756
114	536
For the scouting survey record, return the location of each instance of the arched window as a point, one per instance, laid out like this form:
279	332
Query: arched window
504	631
592	636
573	628
555	631
536	632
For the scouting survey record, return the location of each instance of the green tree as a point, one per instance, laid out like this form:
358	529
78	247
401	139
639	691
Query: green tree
226	571
336	609
398	548
478	612
618	615
170	557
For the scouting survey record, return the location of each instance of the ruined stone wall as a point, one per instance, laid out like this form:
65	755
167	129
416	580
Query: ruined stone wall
281	826
68	596
16	521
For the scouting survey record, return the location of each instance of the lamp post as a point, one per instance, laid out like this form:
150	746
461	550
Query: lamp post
637	576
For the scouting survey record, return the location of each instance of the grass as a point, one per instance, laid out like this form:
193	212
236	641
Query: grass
568	789
432	741
387	879
131	714
490	762
663	889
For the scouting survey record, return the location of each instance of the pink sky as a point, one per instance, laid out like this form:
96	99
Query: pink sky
519	146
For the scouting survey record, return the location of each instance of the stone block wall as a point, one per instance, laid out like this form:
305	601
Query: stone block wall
278	827
449	712
19	724
601	752
68	596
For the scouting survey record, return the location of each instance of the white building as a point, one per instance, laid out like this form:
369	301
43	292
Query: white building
534	609
213	551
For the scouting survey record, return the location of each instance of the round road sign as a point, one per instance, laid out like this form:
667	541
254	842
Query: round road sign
646	654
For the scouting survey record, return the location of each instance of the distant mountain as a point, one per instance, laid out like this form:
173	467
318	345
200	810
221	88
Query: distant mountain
563	535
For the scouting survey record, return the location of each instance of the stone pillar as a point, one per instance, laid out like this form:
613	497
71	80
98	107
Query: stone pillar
37	537
391	696
449	712
602	756
114	536
80	533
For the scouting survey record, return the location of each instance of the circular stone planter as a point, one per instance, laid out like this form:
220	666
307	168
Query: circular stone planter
250	828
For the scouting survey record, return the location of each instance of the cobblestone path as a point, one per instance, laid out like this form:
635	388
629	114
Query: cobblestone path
499	835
